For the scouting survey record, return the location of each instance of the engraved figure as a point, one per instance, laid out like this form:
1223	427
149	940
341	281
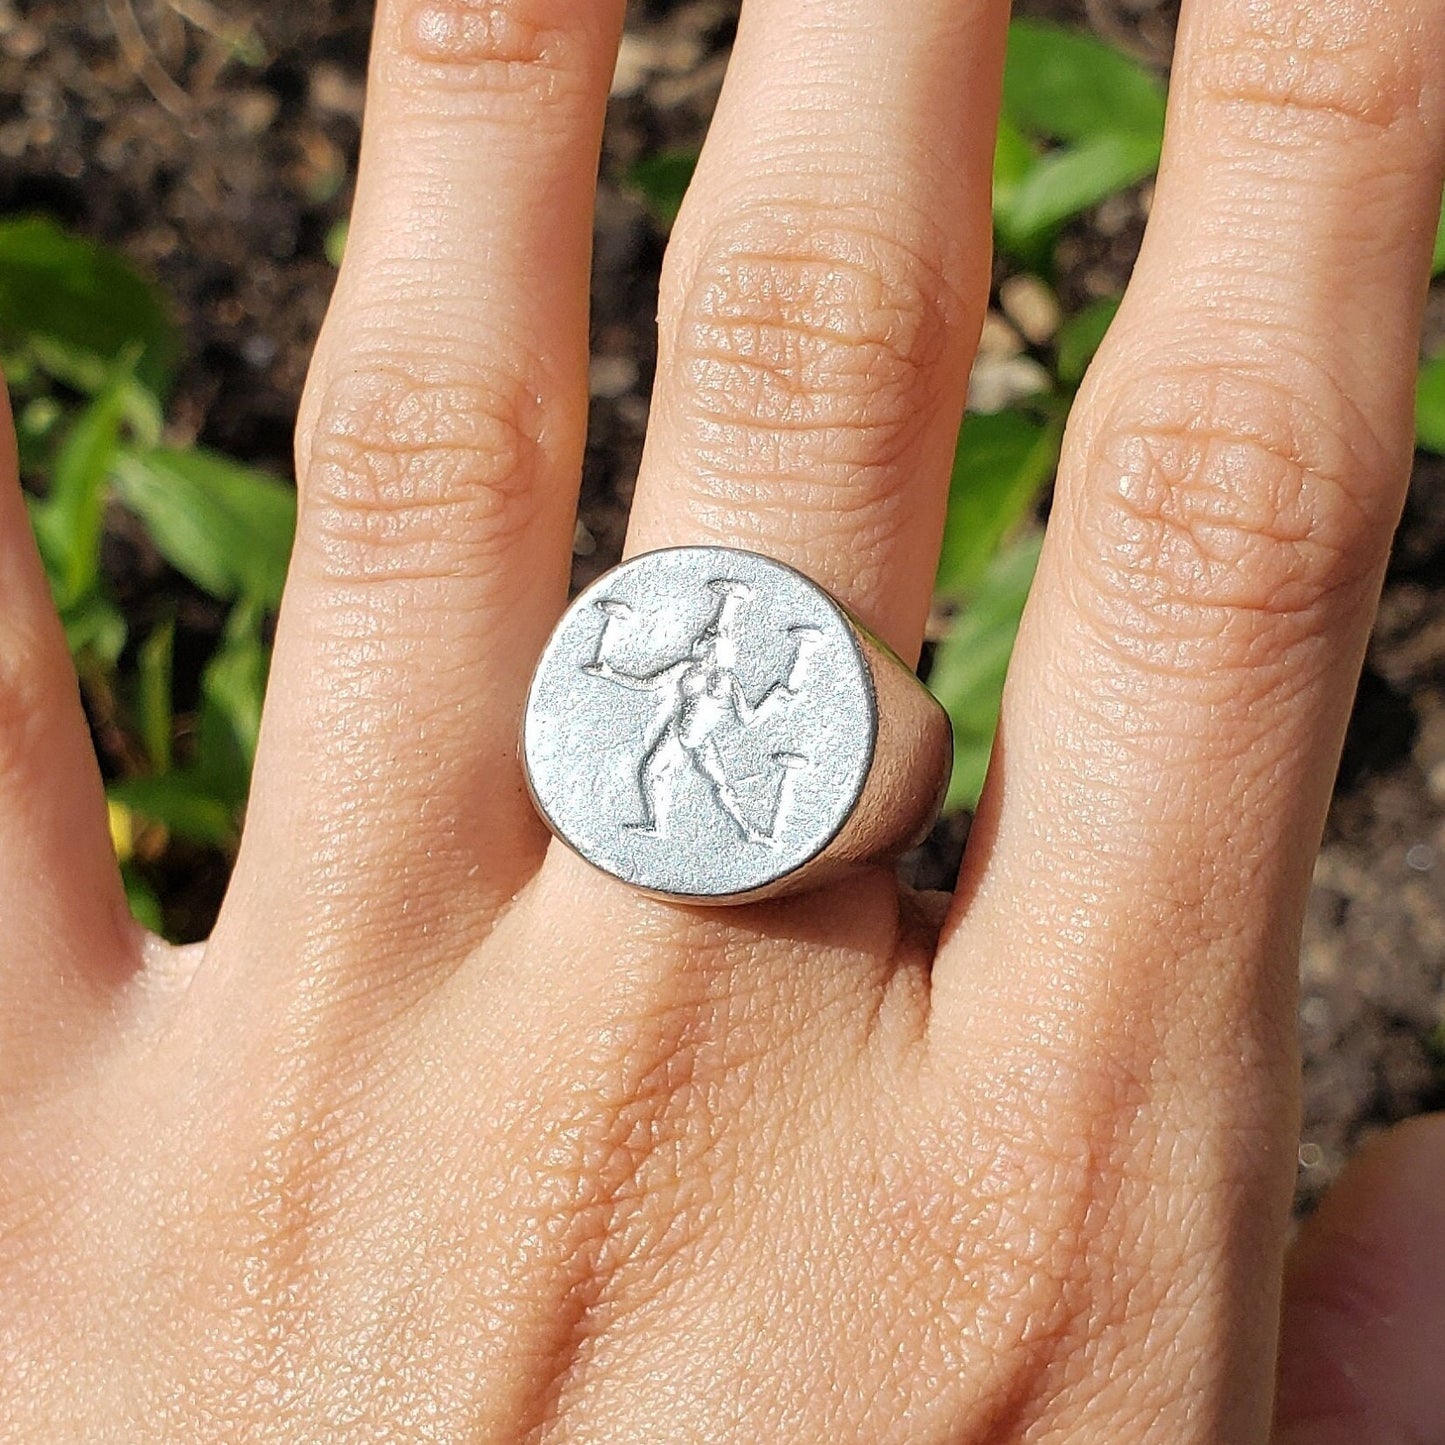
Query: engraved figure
702	693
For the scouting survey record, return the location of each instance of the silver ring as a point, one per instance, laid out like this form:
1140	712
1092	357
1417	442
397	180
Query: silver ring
710	726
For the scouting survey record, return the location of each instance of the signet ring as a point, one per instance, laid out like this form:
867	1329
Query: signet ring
711	726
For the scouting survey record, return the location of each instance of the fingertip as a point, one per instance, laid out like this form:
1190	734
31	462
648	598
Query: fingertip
1364	1301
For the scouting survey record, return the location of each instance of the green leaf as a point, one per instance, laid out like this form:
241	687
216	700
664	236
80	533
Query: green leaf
1013	158
78	308
1064	85
225	526
662	180
182	802
37	423
1001	464
1080	337
334	244
157	720
145	905
1430	406
233	687
1064	182
203	802
69	521
1437	263
1068	85
95	628
972	662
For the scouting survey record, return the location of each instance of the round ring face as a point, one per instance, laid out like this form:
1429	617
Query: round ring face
701	722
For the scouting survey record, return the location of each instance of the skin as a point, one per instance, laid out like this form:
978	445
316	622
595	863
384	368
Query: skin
443	1136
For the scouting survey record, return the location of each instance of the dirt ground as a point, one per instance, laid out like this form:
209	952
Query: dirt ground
215	142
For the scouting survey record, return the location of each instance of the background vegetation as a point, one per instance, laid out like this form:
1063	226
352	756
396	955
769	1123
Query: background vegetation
90	350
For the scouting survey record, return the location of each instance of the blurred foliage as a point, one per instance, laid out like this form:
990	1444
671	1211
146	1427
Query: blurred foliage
1430	391
662	181
334	244
1430	406
89	348
1080	122
72	311
971	662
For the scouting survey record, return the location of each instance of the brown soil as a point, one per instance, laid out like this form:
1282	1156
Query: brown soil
222	166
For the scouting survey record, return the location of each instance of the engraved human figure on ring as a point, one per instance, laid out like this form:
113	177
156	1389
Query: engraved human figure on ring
701	695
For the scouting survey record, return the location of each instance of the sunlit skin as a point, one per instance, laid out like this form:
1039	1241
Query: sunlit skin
444	1136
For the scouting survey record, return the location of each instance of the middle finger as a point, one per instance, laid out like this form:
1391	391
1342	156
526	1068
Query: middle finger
823	294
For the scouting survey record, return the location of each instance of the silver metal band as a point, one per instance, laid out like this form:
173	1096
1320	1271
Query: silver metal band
710	726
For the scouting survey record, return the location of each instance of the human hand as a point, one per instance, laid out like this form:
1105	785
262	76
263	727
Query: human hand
443	1136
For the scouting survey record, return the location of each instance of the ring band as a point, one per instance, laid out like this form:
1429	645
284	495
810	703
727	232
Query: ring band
710	726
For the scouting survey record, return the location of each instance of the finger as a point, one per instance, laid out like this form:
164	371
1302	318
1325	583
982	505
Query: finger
439	454
822	296
65	933
1232	476
1128	917
1364	1307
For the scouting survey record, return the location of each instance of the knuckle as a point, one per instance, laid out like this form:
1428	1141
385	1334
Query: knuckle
805	349
1322	65
417	471
493	45
1221	513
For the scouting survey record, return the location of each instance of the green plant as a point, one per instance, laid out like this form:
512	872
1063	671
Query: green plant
1430	389
662	181
1002	464
1079	123
972	660
1430	406
89	349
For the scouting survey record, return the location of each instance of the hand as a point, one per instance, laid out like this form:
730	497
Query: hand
445	1137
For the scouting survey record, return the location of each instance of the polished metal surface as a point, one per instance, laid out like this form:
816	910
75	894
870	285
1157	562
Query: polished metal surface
704	724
